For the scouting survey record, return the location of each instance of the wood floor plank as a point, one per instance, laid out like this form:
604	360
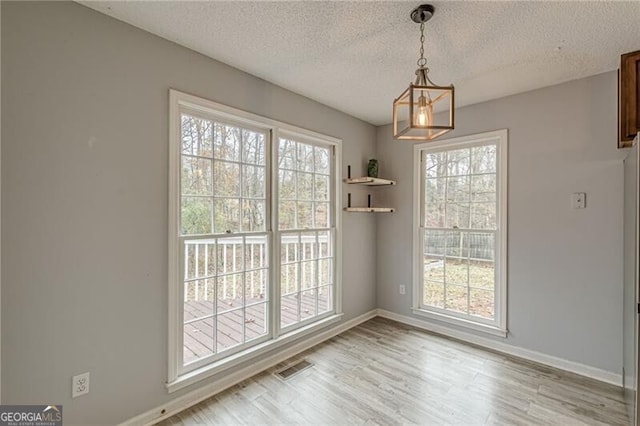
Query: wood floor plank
383	372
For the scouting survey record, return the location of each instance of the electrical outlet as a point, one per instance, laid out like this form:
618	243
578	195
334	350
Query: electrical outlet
79	385
402	289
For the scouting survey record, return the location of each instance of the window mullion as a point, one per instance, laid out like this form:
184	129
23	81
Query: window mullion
244	290
470	175
276	244
423	191
215	297
241	183
299	275
316	266
296	186
313	188
331	190
446	238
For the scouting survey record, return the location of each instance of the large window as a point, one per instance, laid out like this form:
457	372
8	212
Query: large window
252	233
306	234
460	234
223	234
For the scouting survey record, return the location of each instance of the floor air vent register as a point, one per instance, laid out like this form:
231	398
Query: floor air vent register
294	369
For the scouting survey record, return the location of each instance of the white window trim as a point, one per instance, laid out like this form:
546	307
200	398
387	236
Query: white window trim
177	101
498	327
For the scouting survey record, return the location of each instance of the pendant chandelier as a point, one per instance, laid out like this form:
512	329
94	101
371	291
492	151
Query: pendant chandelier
414	115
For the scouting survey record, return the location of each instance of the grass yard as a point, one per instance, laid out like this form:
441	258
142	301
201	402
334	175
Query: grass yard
459	284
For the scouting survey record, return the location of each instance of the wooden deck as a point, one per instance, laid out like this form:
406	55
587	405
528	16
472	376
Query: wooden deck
234	325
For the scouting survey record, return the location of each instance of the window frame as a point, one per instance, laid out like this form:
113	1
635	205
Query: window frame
497	326
334	214
213	116
178	376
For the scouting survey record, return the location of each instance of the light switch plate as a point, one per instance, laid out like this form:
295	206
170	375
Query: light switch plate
579	200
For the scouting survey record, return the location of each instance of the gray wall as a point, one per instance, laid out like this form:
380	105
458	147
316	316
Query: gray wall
565	266
630	312
85	224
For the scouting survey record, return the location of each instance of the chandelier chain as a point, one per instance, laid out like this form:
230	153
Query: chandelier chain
422	61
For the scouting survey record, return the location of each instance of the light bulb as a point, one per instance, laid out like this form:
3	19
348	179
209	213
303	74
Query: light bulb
424	114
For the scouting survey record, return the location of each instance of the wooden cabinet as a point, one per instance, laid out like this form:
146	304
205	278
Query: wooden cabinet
629	98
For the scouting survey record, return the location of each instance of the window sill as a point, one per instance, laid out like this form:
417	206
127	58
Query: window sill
235	359
461	322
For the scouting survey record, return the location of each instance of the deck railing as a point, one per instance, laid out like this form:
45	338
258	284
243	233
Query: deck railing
231	263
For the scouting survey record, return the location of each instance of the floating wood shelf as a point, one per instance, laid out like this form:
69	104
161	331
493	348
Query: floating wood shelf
370	209
369	181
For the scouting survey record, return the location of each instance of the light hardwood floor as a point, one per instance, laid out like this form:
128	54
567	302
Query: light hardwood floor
383	372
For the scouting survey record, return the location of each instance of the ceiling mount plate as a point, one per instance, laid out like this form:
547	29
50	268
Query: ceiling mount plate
422	13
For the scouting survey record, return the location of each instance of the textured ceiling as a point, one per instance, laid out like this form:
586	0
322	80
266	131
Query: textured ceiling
358	56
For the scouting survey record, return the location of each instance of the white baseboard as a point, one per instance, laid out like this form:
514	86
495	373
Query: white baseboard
183	402
552	361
